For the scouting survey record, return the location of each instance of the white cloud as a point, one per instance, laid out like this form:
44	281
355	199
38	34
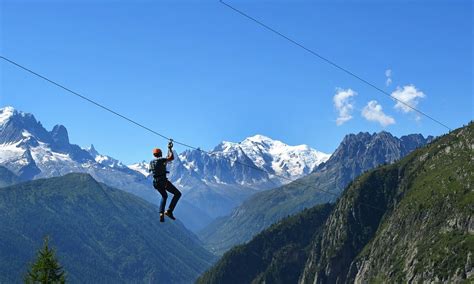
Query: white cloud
374	112
408	95
344	105
388	75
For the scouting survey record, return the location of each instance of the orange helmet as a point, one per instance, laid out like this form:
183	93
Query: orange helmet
156	152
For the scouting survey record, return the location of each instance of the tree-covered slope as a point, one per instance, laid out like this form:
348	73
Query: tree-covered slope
7	177
411	221
102	235
276	255
356	153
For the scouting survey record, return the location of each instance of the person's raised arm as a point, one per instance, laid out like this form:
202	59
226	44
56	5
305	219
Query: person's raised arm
170	152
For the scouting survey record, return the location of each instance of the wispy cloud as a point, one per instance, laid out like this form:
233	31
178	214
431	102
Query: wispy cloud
373	111
388	76
407	96
344	105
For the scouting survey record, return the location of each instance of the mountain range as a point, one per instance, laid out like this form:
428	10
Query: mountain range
39	195
407	222
212	183
31	152
356	154
219	180
101	234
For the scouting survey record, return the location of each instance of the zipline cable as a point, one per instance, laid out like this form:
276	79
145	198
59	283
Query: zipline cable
83	97
125	117
70	91
121	115
332	63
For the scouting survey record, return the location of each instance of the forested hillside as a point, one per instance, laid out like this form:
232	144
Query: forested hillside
102	234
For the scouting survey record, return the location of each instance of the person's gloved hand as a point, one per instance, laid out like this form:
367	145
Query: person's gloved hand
170	144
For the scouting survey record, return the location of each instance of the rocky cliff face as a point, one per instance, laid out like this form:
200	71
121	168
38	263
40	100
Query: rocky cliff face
361	152
407	222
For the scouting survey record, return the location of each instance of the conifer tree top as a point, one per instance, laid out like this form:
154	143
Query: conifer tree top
46	268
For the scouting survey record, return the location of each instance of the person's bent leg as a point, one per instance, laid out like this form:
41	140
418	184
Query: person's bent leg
176	195
164	197
160	187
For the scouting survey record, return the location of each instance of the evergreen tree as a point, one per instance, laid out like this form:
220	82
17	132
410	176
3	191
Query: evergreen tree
46	268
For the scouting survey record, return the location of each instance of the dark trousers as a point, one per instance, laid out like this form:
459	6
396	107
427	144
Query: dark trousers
164	185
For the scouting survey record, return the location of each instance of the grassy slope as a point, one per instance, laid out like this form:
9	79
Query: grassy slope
102	234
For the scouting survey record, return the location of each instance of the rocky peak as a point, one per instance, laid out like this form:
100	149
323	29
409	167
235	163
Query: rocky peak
363	151
92	151
16	126
350	138
6	113
260	139
384	135
60	136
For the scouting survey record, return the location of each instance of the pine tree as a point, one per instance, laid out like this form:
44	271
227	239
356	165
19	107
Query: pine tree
46	268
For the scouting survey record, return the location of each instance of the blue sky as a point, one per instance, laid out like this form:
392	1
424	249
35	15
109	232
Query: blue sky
201	73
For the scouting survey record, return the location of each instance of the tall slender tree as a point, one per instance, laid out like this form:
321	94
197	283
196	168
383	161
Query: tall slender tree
46	268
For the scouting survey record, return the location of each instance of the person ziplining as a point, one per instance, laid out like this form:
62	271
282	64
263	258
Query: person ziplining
158	165
161	182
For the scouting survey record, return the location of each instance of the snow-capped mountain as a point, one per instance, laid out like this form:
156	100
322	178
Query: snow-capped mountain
141	167
276	157
104	159
31	151
284	163
219	180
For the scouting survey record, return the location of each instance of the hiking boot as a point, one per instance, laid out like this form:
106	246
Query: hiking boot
170	215
162	217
